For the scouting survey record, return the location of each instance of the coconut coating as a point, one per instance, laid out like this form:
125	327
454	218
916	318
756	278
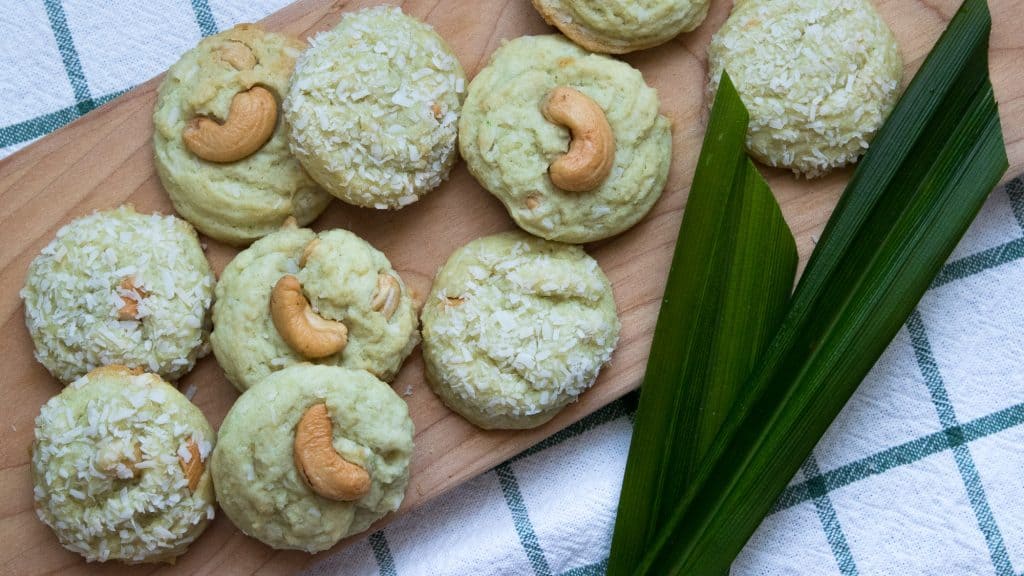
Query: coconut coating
258	485
509	145
818	77
339	278
516	328
374	106
620	26
240	201
107	464
76	286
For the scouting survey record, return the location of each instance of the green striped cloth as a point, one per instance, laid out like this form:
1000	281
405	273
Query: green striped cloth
920	474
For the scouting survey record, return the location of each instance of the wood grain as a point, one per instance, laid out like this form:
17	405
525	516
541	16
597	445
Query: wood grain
105	159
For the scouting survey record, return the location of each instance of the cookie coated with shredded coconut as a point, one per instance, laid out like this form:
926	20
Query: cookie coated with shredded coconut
239	201
509	145
619	26
257	482
515	328
78	284
339	276
373	108
107	467
818	77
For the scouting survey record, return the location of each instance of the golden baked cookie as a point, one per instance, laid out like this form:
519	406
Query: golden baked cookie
620	26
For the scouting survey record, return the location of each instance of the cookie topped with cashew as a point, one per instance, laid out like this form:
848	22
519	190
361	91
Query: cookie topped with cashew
297	296
120	470
515	328
374	107
120	287
221	145
313	454
571	142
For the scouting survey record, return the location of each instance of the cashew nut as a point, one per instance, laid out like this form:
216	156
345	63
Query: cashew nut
115	453
532	201
308	251
193	469
320	465
115	370
237	54
386	296
250	123
301	328
592	149
129	309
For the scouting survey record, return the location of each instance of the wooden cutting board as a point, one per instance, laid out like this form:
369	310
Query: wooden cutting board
105	159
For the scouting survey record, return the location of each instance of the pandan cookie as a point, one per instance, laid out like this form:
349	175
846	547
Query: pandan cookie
571	142
312	454
297	296
119	467
374	106
515	328
221	149
619	26
818	77
119	287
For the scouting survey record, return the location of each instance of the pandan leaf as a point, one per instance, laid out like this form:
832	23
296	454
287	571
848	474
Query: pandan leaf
727	290
910	200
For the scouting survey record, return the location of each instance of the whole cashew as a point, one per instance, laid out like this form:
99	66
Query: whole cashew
129	309
320	465
250	123
386	296
592	150
193	469
301	328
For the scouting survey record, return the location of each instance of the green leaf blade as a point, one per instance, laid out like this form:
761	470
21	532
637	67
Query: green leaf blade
910	200
730	280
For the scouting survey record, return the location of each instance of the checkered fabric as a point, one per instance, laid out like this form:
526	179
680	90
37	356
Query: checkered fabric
920	474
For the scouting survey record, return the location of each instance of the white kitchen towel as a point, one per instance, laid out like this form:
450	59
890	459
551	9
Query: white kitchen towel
921	474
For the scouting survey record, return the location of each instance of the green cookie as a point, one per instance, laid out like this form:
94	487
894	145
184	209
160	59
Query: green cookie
235	202
259	485
119	468
341	275
119	287
374	106
509	145
818	77
619	26
515	328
